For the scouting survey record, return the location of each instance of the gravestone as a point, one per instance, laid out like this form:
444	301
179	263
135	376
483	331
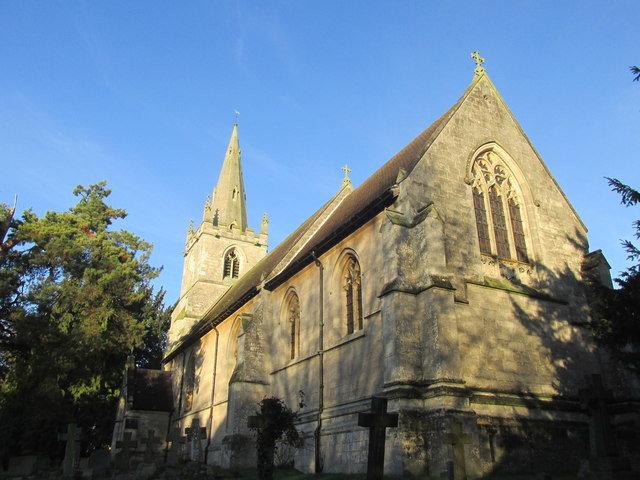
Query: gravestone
195	434
149	446
99	462
378	420
175	441
605	463
124	456
71	449
22	465
457	439
266	452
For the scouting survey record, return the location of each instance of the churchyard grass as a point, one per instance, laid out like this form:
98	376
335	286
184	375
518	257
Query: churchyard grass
290	474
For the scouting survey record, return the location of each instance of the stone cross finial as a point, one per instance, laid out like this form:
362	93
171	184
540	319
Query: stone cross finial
237	115
479	61
346	180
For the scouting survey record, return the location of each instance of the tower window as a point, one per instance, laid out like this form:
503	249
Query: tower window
353	294
231	265
497	209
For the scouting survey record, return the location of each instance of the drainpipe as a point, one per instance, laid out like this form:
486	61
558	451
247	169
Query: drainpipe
318	432
213	391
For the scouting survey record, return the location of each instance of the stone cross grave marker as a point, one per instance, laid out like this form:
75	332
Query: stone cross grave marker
377	421
603	442
149	444
267	452
174	446
457	439
71	449
126	444
196	433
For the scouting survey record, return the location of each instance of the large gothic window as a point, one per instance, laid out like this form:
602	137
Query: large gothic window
188	382
352	294
231	264
292	313
497	209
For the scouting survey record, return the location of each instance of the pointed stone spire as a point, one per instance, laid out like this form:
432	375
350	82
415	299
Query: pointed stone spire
229	205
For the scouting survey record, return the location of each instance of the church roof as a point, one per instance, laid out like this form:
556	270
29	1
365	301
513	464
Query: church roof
371	197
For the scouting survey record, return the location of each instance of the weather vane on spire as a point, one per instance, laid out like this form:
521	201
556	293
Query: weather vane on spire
346	180
479	61
237	115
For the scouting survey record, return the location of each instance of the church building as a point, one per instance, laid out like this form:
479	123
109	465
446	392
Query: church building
454	282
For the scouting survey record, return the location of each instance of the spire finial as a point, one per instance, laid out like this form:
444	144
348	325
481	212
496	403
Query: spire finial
346	180
237	115
479	61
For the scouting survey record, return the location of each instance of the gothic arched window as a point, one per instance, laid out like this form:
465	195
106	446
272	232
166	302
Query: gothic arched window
352	294
231	264
292	313
188	383
497	209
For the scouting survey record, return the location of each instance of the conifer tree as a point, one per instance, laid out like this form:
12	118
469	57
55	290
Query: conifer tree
75	299
618	321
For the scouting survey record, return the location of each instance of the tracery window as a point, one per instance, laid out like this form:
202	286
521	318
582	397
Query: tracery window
231	264
352	294
292	313
497	209
189	382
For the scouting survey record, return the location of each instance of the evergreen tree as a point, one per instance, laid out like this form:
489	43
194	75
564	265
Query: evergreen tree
75	300
618	322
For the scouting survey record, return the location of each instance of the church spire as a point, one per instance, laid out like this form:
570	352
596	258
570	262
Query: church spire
229	205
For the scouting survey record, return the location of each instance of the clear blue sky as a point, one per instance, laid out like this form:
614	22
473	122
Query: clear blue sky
142	94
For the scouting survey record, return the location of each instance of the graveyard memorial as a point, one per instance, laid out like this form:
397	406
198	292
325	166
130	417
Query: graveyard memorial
378	420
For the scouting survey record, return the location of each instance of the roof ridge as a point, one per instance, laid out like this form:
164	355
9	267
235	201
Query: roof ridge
323	214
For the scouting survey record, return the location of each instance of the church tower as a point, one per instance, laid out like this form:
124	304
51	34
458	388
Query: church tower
221	249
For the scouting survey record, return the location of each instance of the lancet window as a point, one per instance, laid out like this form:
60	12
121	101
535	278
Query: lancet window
188	382
352	286
497	207
231	264
292	313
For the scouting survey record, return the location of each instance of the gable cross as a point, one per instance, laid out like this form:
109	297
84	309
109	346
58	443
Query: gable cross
346	169
71	449
457	439
377	421
479	61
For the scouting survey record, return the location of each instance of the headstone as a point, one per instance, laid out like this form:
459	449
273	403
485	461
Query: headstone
71	449
196	434
99	462
149	446
145	471
457	439
22	465
604	463
126	444
175	441
377	421
266	450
